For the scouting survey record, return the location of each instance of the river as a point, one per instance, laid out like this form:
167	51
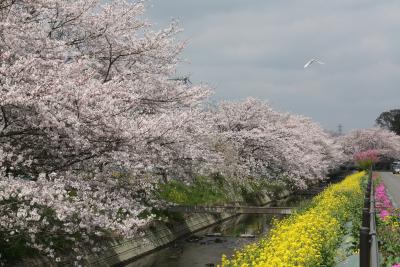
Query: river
202	249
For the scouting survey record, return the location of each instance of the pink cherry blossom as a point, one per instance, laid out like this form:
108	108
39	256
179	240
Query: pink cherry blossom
85	85
367	155
261	143
386	143
366	159
69	207
91	122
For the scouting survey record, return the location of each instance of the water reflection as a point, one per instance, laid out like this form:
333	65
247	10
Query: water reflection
202	249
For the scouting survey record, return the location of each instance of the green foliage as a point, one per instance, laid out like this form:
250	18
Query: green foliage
203	191
390	120
305	205
215	189
356	217
251	191
391	261
308	238
16	248
389	235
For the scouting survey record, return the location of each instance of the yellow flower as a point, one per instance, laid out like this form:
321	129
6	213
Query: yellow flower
302	239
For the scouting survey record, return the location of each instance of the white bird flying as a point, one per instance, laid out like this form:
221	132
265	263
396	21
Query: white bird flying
311	61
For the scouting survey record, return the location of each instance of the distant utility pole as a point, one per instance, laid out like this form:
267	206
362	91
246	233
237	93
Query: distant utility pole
340	129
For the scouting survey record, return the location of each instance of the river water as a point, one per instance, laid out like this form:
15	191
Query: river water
201	249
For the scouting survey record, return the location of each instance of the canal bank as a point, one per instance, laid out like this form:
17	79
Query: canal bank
205	247
162	234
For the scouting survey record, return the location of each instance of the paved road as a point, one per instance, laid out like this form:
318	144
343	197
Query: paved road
392	182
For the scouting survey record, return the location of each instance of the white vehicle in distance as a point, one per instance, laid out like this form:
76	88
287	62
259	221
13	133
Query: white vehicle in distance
396	167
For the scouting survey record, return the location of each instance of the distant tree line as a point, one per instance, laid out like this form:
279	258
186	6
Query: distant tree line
390	120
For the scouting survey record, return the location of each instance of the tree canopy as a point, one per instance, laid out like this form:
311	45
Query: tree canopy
390	120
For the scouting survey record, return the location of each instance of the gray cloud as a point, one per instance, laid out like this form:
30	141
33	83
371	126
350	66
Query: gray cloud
258	48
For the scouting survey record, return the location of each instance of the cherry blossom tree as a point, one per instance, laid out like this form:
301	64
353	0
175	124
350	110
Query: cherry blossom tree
258	142
66	217
85	89
86	98
366	159
385	142
85	84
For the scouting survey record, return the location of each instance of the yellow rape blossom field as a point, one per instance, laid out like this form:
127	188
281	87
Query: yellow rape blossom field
309	238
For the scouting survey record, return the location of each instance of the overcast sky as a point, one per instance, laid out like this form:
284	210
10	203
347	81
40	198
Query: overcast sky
258	48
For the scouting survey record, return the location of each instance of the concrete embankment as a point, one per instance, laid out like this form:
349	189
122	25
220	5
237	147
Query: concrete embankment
159	235
162	234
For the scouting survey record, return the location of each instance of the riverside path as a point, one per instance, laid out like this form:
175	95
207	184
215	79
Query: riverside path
392	183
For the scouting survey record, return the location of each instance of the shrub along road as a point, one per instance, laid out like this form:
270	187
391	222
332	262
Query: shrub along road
392	182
